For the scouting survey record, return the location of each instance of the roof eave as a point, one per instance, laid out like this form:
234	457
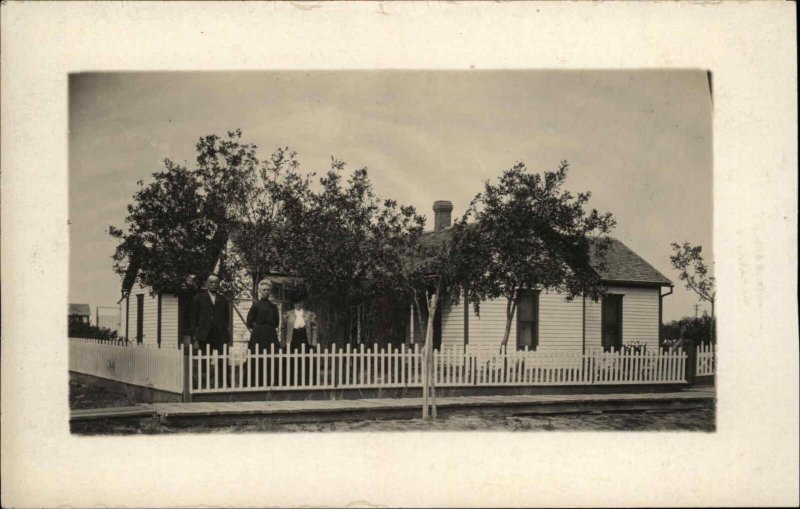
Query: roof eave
620	282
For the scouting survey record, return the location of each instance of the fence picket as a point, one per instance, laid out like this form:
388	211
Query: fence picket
324	360
382	365
363	366
404	365
346	365
673	372
706	360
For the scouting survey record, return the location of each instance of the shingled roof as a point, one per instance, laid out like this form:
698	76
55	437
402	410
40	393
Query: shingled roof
621	264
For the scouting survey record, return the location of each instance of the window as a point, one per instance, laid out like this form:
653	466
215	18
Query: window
139	318
612	322
528	320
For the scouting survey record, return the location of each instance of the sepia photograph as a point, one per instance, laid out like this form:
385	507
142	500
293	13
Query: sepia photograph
391	250
399	254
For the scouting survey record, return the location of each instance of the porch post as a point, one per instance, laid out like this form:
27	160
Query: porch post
690	347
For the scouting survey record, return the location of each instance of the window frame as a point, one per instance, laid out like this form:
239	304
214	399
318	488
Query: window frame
534	323
607	346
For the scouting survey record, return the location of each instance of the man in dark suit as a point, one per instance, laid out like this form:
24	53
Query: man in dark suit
210	317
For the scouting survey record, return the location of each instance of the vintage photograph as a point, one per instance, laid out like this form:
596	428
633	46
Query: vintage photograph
322	251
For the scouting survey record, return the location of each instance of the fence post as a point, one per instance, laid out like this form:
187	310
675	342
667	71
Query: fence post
187	360
690	347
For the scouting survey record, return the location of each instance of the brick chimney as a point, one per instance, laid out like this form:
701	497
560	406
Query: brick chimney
441	214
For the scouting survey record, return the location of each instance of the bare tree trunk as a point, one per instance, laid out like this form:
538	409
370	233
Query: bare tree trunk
256	278
425	383
428	348
713	323
418	313
429	342
432	314
511	308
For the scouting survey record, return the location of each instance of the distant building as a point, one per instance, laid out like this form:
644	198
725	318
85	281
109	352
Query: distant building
107	317
79	313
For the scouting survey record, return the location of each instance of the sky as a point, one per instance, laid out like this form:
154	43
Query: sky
640	141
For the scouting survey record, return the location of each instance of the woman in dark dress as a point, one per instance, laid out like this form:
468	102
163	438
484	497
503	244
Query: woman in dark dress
262	320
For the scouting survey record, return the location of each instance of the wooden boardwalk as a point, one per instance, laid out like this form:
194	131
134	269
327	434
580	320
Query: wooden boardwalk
404	408
220	413
120	412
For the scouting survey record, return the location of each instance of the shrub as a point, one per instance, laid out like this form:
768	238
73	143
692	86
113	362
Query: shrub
699	329
84	330
634	347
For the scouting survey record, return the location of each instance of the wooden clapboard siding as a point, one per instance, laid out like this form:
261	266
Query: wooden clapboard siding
169	320
150	320
240	332
453	324
639	317
560	321
560	325
593	325
487	330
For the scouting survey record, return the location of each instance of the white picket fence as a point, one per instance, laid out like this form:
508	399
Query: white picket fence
147	366
343	368
706	359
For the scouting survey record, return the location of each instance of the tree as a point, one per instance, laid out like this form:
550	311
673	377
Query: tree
271	205
438	272
169	233
227	208
698	329
688	261
227	172
78	329
345	243
530	234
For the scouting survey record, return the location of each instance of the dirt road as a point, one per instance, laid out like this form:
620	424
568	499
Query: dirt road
672	420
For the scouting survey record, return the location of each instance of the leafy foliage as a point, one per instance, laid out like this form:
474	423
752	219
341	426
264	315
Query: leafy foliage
78	329
180	224
634	348
272	204
347	243
530	233
265	217
688	261
700	329
169	231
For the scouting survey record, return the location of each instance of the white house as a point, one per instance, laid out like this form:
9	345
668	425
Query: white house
546	321
160	320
